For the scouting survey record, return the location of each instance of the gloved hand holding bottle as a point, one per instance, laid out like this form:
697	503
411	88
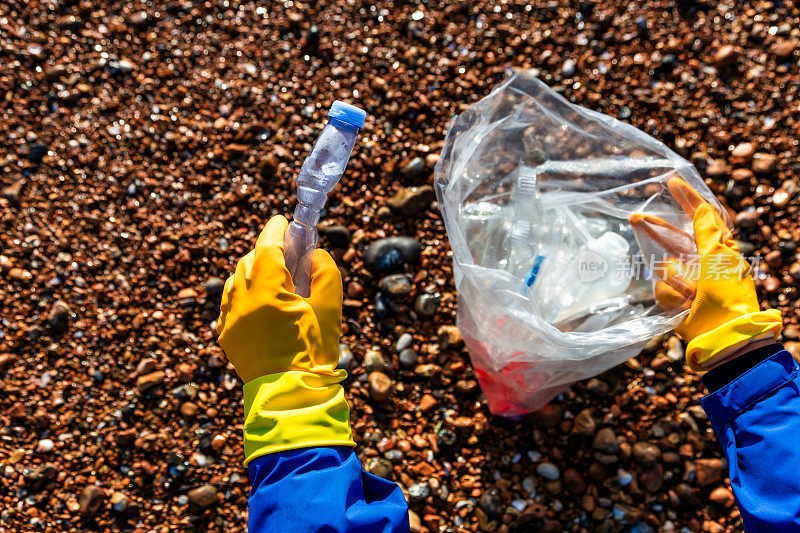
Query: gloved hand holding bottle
279	323
297	438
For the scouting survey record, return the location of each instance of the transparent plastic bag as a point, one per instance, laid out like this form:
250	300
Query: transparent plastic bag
553	284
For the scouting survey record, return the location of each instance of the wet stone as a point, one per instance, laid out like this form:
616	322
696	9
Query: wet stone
412	200
783	49
373	360
413	168
675	351
548	471
573	481
449	336
380	386
58	318
395	285
427	304
36	152
5	361
419	491
780	198
568	68
44	446
148	381
203	496
597	388
214	286
414	522
346	359
36	477
391	252
652	479
337	236
742	175
764	163
13	191
91	499
708	471
446	438
393	455
379	467
408	357
745	151
427	402
747	219
383	306
118	501
584	423
548	416
646	453
726	56
492	503
606	441
722	496
403	342
716	168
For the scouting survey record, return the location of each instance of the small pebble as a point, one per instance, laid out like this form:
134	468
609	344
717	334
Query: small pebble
403	342
203	496
373	360
44	446
346	359
380	386
548	471
408	357
419	491
91	499
395	285
391	252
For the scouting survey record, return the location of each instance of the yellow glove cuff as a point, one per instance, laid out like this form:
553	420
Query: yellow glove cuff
295	409
706	349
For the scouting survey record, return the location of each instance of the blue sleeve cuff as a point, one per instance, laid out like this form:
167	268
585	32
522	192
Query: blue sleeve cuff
724	404
322	489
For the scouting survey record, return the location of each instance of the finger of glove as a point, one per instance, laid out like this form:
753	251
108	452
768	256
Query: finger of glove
269	274
326	299
688	198
678	276
326	285
711	232
272	234
670	298
235	288
225	305
673	240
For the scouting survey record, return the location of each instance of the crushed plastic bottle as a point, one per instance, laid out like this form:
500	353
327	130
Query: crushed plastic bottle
319	174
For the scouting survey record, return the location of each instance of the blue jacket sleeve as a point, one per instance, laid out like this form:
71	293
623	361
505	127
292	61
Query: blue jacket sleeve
322	489
756	415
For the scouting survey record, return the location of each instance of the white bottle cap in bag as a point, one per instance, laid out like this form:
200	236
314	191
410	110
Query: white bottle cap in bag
602	266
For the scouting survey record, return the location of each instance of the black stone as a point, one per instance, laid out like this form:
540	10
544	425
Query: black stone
391	252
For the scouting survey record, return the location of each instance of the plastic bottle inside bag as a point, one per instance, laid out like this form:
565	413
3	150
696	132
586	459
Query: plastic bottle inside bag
574	265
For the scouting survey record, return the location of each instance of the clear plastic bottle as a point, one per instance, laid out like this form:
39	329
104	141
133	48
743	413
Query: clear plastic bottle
319	174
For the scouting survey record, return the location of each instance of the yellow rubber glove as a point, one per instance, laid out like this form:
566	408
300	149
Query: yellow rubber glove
285	348
724	315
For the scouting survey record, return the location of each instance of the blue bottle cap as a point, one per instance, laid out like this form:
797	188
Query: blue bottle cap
345	112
